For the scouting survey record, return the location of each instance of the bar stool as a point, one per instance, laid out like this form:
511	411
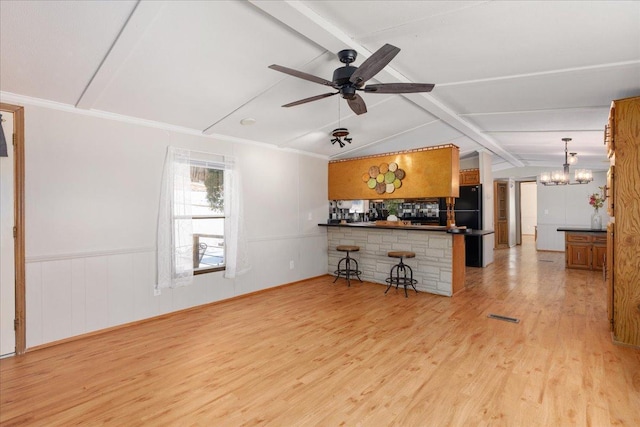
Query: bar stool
400	270
347	271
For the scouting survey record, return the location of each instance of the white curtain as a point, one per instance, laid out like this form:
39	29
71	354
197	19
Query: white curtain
175	232
236	254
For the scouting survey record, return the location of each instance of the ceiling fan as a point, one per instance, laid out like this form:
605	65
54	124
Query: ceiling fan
347	80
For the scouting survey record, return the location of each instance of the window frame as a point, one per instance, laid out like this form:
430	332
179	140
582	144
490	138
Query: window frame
203	163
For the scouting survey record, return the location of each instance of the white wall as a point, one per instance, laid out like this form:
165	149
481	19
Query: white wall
529	207
566	206
92	194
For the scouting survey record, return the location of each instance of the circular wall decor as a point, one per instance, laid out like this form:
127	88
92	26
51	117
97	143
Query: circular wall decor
384	178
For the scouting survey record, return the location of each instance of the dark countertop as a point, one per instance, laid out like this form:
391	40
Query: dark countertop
441	228
581	230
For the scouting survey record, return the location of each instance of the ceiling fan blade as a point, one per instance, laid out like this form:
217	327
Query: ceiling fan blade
374	64
357	105
399	88
312	98
301	75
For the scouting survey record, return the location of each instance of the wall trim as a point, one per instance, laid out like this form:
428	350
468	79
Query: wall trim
111	252
92	254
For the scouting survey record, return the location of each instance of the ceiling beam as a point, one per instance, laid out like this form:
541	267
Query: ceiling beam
141	17
309	24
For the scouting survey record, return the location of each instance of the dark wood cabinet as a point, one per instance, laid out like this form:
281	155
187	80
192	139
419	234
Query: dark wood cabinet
470	177
585	250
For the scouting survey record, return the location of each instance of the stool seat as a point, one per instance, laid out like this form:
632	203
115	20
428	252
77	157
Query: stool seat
398	274
347	266
401	254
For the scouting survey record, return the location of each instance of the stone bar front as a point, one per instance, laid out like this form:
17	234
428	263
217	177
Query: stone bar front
439	265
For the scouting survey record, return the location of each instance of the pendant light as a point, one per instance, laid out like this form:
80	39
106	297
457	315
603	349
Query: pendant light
562	177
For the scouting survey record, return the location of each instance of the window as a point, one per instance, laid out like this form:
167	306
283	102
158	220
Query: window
207	210
200	227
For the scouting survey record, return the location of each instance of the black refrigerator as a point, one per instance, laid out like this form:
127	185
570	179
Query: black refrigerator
468	212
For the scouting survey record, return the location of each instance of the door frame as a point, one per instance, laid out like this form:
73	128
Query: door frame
18	210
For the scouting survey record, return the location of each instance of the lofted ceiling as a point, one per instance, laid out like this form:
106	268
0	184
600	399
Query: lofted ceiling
512	78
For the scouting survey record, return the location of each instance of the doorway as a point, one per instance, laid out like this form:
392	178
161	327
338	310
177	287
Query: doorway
12	253
528	209
7	249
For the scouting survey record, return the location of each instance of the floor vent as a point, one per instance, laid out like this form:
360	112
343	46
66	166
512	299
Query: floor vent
545	260
505	318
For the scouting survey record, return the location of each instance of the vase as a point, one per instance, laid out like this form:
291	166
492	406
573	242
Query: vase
596	220
392	218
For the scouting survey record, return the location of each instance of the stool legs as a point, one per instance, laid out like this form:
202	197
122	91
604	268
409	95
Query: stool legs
347	271
403	280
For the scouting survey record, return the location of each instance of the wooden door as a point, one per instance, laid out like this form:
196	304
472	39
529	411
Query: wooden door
501	215
18	218
7	249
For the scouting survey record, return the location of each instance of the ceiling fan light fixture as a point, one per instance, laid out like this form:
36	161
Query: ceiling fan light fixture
340	135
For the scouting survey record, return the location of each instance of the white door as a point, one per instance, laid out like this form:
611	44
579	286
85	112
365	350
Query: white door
7	264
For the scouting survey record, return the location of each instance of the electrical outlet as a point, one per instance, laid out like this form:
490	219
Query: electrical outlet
157	292
310	216
291	265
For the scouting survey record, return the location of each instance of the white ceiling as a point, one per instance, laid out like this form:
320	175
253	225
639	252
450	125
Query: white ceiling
512	78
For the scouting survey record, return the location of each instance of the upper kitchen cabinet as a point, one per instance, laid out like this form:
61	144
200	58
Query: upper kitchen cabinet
415	174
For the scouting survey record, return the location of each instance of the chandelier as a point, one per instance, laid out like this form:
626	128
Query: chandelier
562	177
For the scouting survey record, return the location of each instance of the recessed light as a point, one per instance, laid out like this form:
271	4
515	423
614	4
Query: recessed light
248	121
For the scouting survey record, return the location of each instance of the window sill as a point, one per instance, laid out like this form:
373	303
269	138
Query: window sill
208	270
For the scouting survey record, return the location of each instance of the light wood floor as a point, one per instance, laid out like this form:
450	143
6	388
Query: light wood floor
316	353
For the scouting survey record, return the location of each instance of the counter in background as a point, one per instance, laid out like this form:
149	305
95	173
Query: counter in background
439	265
585	248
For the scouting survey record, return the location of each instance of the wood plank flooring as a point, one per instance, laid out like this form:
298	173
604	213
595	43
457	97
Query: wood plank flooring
318	353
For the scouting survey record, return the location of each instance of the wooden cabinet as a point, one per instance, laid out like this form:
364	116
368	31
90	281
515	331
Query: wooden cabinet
599	253
610	190
585	250
608	272
623	278
470	177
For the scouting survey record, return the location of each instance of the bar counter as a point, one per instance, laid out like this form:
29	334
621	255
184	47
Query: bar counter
439	265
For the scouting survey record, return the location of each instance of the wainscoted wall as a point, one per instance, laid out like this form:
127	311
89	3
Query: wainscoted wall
92	196
72	295
81	293
432	267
